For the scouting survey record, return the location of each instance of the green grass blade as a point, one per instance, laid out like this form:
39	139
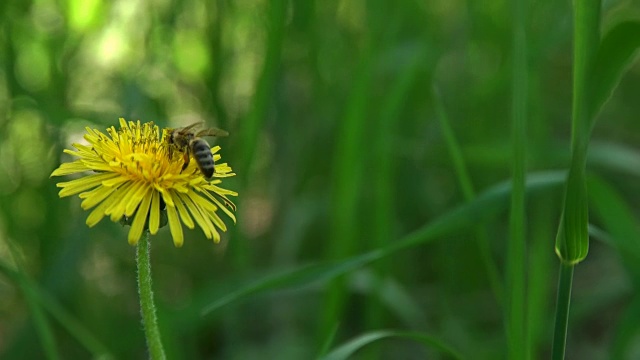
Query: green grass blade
383	213
617	50
622	225
462	174
617	157
40	321
348	349
252	124
484	207
572	241
348	154
326	346
67	320
516	250
619	222
562	311
627	331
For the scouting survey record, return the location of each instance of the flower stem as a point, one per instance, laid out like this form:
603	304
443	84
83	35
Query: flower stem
147	306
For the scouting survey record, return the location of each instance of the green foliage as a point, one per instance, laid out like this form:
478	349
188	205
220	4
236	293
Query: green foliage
347	350
366	201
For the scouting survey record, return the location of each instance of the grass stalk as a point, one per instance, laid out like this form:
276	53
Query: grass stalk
516	247
562	311
572	242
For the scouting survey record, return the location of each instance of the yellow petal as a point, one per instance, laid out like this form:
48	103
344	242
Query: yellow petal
202	202
165	196
197	215
119	202
175	227
184	214
219	190
224	208
97	214
135	196
216	220
82	184
154	216
137	226
69	168
95	196
115	181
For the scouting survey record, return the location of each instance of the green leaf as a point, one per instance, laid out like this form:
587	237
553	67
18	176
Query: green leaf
349	348
616	52
485	206
619	221
572	241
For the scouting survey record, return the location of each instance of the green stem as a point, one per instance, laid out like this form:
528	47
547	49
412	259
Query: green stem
147	306
562	311
516	247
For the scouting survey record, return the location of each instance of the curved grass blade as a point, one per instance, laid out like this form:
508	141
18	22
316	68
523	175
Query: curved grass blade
617	50
627	330
348	349
326	346
619	222
485	206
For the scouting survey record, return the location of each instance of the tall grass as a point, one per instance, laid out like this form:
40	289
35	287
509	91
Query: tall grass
376	218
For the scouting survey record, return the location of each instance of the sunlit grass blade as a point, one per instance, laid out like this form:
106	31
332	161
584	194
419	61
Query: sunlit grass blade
482	208
617	50
347	350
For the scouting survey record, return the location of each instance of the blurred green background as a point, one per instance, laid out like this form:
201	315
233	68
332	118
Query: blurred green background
339	148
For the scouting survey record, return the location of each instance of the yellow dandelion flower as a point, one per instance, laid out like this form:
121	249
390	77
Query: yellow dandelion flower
134	174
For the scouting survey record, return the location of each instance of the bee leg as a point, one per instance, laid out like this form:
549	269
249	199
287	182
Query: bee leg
185	161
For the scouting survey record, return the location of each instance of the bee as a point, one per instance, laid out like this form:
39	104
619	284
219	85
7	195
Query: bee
188	141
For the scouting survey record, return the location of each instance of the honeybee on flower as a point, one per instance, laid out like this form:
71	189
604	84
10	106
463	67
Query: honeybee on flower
131	173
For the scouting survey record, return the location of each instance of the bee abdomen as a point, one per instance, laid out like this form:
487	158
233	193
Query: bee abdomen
202	155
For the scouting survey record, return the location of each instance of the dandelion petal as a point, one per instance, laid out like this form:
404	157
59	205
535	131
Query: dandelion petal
175	227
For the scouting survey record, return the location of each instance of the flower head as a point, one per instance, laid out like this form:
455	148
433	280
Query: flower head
134	174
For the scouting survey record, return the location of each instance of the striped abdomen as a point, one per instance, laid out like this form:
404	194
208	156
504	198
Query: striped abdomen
202	154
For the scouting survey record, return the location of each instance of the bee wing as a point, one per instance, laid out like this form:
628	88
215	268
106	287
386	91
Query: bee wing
212	132
188	128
